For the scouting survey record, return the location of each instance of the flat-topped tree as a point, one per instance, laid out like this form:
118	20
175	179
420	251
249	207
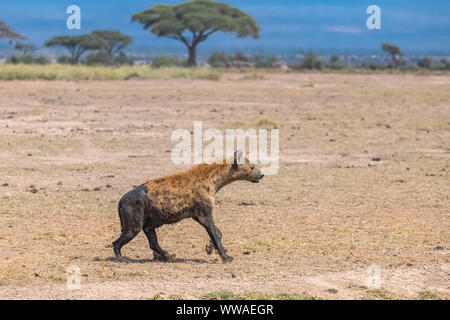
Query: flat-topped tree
7	33
77	45
194	21
114	40
394	52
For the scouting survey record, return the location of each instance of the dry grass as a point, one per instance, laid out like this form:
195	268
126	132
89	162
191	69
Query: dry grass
80	72
363	181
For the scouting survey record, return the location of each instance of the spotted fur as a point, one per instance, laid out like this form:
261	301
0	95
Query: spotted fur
170	199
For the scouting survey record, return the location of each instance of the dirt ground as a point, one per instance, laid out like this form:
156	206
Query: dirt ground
363	181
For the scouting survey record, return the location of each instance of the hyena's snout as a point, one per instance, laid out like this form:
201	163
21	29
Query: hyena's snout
258	176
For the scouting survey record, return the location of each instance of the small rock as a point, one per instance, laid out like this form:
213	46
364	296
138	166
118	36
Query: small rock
246	204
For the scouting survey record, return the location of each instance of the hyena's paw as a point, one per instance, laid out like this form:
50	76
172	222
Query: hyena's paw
210	248
227	258
167	257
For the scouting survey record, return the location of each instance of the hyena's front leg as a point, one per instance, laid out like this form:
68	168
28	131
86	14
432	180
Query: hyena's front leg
210	246
208	223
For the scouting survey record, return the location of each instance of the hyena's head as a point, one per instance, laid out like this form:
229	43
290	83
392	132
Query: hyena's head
244	170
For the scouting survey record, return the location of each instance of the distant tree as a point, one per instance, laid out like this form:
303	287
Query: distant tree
122	58
77	45
7	33
311	61
446	64
334	59
194	21
395	53
425	63
25	48
114	40
336	63
241	56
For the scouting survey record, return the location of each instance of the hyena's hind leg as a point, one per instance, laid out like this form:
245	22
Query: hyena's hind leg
158	252
132	219
210	246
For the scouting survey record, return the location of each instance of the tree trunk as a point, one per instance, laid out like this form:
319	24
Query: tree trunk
192	60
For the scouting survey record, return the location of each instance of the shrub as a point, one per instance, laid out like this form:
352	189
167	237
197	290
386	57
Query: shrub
27	60
372	66
123	59
165	61
425	63
267	63
336	63
312	62
64	60
446	64
41	60
241	56
219	60
408	68
99	58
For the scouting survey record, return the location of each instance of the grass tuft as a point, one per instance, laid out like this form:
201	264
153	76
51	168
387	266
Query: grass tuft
255	295
100	73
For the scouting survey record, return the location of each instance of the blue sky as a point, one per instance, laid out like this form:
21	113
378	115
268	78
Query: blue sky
285	24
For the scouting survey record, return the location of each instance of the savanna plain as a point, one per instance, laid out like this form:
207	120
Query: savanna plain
363	181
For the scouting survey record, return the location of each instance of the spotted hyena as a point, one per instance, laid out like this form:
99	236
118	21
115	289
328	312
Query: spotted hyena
179	196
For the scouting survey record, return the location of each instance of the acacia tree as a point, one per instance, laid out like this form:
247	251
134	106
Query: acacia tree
77	45
7	33
394	52
194	21
25	48
114	41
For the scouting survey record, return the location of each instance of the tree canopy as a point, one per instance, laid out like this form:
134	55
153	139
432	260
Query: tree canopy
114	41
7	33
26	48
194	21
77	45
395	52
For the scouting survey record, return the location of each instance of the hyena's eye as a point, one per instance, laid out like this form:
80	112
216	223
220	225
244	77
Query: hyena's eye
252	167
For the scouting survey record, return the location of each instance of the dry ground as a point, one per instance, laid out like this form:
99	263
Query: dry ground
363	180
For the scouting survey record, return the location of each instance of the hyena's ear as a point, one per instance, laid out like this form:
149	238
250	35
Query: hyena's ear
237	156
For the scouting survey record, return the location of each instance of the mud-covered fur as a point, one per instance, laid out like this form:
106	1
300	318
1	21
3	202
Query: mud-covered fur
179	196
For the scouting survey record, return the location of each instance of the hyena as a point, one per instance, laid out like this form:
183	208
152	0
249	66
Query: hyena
170	199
